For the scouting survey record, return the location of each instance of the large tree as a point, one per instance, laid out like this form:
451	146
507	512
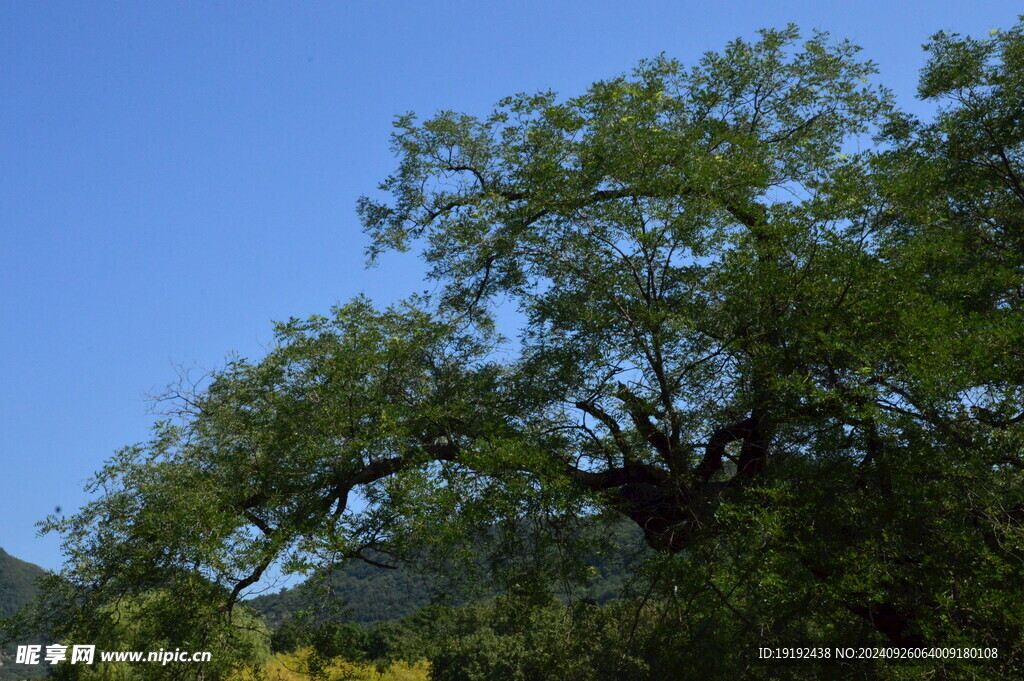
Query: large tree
758	313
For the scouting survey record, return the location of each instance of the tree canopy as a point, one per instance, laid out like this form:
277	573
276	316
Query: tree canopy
758	311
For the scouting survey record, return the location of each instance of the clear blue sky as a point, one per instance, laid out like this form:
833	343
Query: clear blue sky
174	176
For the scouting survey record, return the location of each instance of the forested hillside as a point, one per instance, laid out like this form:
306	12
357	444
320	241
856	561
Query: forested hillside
364	594
361	593
17	583
17	589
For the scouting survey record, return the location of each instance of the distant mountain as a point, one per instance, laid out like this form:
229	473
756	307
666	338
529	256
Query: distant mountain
364	594
17	583
17	589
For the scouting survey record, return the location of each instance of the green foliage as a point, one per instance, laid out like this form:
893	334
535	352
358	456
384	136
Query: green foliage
766	317
519	640
155	621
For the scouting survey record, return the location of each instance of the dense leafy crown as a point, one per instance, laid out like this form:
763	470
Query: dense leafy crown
761	313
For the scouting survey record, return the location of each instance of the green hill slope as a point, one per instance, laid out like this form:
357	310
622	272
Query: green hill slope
17	589
17	583
365	594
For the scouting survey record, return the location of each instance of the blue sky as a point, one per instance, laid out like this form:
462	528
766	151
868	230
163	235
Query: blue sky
174	176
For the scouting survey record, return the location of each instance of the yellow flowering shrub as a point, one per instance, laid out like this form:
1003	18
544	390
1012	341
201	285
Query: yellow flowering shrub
305	665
